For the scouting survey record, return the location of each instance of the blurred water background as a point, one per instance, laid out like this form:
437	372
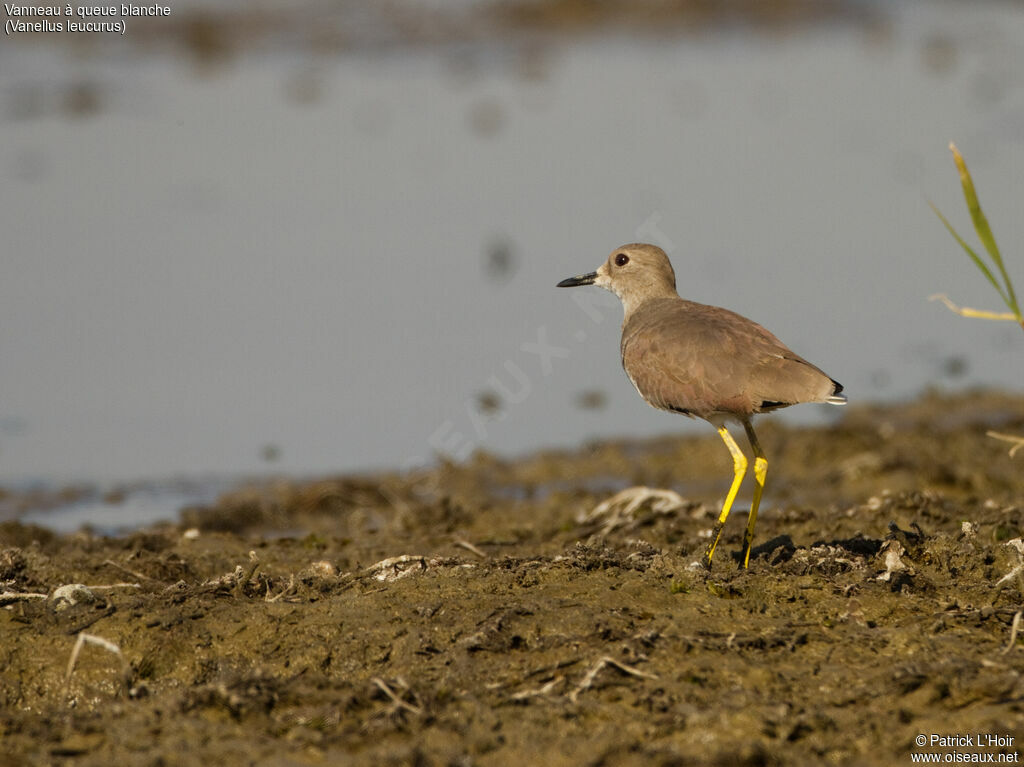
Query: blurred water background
323	237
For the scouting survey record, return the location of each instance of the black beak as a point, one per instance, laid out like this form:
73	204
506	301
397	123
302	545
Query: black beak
583	279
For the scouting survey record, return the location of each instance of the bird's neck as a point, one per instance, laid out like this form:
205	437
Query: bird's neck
633	303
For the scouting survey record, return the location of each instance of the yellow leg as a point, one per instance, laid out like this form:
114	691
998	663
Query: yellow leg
739	467
760	471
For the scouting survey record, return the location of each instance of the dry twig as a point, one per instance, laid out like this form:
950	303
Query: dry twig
393	568
9	597
84	639
1017	573
1016	441
588	680
470	547
395	699
287	591
966	311
546	689
245	575
1014	629
623	508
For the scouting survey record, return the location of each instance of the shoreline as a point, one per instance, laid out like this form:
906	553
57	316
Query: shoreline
481	612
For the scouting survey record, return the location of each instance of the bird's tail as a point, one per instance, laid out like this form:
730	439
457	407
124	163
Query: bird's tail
837	397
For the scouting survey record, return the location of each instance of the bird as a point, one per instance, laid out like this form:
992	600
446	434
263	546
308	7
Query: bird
704	362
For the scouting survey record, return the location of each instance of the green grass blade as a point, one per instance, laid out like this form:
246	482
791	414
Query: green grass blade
982	228
974	256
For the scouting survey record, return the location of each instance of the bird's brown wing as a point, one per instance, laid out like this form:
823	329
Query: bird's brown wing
703	360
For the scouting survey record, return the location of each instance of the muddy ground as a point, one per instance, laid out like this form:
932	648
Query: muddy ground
479	615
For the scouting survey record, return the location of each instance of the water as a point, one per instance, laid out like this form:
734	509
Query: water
118	510
330	263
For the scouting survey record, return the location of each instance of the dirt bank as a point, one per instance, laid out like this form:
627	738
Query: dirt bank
476	615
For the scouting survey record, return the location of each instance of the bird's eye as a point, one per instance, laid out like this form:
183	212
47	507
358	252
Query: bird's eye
621	260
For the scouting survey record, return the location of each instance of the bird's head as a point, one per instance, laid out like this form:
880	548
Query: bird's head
635	273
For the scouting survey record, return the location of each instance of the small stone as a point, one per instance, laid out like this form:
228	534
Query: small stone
323	569
71	594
